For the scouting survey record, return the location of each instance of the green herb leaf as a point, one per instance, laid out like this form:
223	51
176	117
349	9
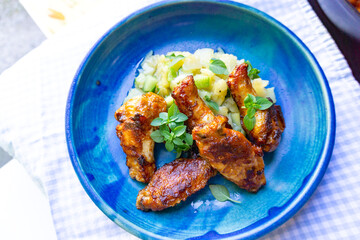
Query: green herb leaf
218	67
178	141
173	110
169	146
189	139
181	117
249	101
252	72
180	130
207	98
157	136
213	105
173	118
163	115
249	122
171	56
178	154
263	102
156	122
172	130
172	125
221	193
251	112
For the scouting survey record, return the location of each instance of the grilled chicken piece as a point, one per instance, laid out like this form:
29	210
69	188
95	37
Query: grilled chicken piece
226	150
173	183
134	132
229	152
269	123
189	102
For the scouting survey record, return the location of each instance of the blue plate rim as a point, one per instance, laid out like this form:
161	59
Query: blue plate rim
298	199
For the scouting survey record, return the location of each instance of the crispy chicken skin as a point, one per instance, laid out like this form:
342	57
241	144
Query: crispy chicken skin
173	183
134	131
189	102
229	152
226	150
269	123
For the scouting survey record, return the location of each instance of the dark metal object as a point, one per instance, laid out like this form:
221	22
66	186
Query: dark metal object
347	37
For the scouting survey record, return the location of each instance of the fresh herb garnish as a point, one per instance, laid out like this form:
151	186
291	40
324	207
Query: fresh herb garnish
252	72
218	67
252	104
171	56
172	130
221	193
211	103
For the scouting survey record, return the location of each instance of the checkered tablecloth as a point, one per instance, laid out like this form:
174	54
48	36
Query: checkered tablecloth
33	96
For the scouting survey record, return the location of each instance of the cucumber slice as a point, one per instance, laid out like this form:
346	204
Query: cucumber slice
202	81
236	124
235	117
139	80
150	84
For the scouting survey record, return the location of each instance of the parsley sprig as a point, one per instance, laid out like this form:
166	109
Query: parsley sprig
172	130
252	104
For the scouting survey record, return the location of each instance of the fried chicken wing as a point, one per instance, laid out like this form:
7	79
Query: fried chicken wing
229	152
269	123
134	132
173	183
189	102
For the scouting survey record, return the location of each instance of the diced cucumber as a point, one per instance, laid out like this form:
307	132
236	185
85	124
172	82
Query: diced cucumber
223	111
169	101
235	122
202	81
139	80
150	83
235	117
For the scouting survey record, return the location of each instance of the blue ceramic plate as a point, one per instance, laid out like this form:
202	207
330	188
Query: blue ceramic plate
293	171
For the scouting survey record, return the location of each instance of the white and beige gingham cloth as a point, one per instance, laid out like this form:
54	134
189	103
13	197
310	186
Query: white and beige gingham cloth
33	96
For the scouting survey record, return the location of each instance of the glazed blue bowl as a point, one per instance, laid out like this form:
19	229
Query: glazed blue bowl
106	75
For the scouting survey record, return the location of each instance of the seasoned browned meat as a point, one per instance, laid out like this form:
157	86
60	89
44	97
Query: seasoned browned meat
189	102
173	183
269	123
134	132
229	152
226	150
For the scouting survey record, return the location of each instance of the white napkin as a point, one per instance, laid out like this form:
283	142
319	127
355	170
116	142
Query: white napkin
33	96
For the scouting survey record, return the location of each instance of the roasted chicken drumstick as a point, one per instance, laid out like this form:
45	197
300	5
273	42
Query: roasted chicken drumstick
269	123
134	131
173	183
227	150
